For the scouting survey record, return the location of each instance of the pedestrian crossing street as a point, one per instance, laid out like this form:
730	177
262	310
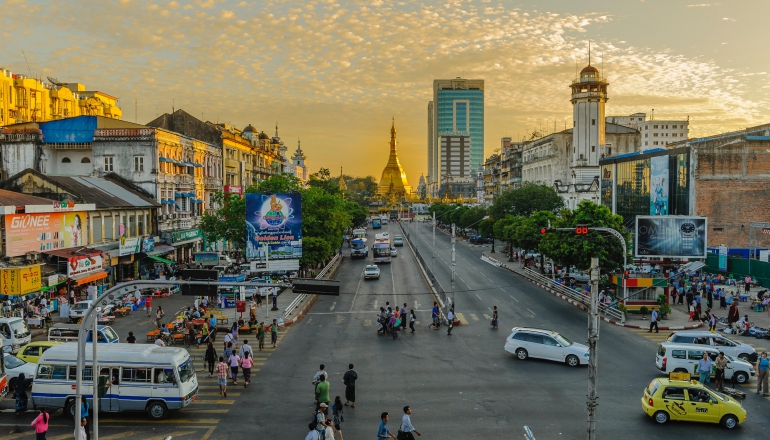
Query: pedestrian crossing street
759	345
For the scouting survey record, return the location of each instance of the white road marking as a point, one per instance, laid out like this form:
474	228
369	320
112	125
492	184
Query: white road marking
416	305
375	304
477	296
513	298
334	304
530	311
353	303
490	309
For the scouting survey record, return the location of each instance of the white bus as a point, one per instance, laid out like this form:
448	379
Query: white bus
381	248
138	377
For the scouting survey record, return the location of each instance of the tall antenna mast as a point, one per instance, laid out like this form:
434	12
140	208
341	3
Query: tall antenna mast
136	111
25	60
589	52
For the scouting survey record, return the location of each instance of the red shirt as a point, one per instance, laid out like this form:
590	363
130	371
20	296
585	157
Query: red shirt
222	370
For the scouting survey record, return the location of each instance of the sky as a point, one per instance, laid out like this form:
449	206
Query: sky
333	73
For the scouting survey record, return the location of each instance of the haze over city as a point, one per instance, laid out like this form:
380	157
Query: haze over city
333	73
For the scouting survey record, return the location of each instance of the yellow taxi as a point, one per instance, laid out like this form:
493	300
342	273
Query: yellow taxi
679	398
32	351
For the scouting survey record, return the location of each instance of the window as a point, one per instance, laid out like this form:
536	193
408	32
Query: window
73	373
655	135
593	148
535	339
695	355
654	126
673	126
655	143
609	151
593	121
108	164
66	160
673	134
678	354
138	163
137	375
673	393
85	160
32	351
646	134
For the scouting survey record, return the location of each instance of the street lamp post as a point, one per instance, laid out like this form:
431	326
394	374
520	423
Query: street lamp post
449	301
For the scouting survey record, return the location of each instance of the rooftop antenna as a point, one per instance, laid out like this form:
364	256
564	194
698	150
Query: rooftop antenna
136	106
173	103
25	60
589	52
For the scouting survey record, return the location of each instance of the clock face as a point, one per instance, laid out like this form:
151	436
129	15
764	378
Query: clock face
687	228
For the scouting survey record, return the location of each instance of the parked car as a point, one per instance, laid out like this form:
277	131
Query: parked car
478	239
573	273
79	309
371	271
720	342
15	366
545	344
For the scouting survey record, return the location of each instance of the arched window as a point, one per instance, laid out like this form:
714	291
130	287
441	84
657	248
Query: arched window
66	160
85	160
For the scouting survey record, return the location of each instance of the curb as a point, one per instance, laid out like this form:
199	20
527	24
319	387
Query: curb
603	318
312	300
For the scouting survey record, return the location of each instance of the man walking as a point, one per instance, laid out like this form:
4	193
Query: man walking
383	431
222	370
404	315
654	321
245	348
732	314
451	318
275	298
274	333
322	393
435	316
406	425
349	379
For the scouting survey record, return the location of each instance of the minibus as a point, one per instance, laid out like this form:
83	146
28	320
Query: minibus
15	333
70	332
137	377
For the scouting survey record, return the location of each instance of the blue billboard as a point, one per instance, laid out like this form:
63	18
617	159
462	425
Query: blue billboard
659	183
273	223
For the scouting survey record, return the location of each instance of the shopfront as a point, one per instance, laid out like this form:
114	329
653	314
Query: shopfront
186	243
19	285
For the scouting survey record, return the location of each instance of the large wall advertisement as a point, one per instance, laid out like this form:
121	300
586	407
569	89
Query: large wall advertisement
44	232
671	236
274	220
659	181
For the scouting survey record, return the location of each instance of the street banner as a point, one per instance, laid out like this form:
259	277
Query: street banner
27	233
659	182
129	246
273	221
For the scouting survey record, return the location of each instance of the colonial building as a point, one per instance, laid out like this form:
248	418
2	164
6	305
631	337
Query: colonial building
656	133
24	99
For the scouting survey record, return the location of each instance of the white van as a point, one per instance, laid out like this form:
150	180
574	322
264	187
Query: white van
728	346
70	332
139	377
14	333
79	309
680	358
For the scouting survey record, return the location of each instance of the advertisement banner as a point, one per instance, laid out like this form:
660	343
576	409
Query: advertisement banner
274	221
659	182
20	280
129	246
723	257
148	244
207	258
44	232
671	236
83	264
189	234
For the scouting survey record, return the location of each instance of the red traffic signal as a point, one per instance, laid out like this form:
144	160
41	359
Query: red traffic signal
581	229
545	230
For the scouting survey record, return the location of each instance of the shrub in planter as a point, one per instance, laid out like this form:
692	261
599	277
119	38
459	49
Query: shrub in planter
643	310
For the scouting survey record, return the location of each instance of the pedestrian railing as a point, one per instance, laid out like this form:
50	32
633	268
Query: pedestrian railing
301	297
585	300
440	293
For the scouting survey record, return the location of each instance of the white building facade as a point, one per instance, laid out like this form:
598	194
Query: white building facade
656	133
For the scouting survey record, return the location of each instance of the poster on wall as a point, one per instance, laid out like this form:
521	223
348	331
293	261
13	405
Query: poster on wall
44	232
129	246
20	280
659	182
671	236
273	221
83	264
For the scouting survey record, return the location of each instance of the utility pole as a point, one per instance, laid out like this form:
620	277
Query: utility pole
449	301
95	376
593	339
433	248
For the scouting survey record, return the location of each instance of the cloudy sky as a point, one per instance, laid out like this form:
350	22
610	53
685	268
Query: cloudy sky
333	72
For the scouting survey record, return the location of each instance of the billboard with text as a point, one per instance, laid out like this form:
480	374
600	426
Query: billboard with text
670	236
43	232
273	222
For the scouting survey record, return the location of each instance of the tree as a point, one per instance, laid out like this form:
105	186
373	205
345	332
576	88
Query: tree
314	251
472	217
505	229
361	190
227	222
323	180
358	213
279	183
528	234
525	200
487	228
571	249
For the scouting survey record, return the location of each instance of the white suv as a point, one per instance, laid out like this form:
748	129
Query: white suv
715	340
545	344
678	358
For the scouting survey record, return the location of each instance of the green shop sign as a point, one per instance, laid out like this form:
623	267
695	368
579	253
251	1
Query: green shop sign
190	234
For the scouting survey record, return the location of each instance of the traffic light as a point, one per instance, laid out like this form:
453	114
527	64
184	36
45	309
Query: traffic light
581	229
545	230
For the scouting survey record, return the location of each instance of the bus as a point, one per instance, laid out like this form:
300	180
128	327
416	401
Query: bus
3	376
376	223
382	248
137	377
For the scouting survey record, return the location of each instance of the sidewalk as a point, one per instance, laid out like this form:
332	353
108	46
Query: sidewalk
677	320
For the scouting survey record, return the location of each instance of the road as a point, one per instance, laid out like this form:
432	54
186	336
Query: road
459	386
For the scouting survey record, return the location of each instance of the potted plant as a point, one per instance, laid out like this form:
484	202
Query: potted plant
665	309
624	310
643	310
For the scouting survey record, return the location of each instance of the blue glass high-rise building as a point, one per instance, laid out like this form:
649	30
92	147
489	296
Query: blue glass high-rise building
457	109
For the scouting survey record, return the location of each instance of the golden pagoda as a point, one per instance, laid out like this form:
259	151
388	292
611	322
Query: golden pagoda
393	178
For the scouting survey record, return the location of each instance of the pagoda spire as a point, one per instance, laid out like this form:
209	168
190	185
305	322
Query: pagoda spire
393	176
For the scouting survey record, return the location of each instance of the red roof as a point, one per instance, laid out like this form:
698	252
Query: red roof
589	68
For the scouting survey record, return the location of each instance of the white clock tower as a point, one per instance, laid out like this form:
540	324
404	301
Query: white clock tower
589	95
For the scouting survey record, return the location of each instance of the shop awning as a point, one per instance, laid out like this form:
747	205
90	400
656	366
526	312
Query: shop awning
162	260
160	249
87	278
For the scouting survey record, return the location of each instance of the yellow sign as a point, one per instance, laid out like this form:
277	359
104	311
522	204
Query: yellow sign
20	280
679	376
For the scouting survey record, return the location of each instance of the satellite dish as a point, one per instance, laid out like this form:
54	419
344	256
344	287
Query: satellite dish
55	82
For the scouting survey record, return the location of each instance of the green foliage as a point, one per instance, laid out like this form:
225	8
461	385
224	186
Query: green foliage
315	250
228	222
358	213
280	183
643	310
362	190
530	197
505	229
471	217
527	235
324	216
623	309
570	249
487	228
665	309
323	180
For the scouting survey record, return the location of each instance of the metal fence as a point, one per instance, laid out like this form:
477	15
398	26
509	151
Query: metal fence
301	297
440	293
585	300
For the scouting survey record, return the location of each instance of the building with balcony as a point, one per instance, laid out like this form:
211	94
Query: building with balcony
656	133
492	178
24	99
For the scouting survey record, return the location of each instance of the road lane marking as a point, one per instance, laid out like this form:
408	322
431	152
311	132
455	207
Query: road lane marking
513	298
143	422
475	318
119	435
462	319
487	316
170	435
358	288
208	433
205	411
530	311
334	304
367	322
217	394
375	304
216	402
477	296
